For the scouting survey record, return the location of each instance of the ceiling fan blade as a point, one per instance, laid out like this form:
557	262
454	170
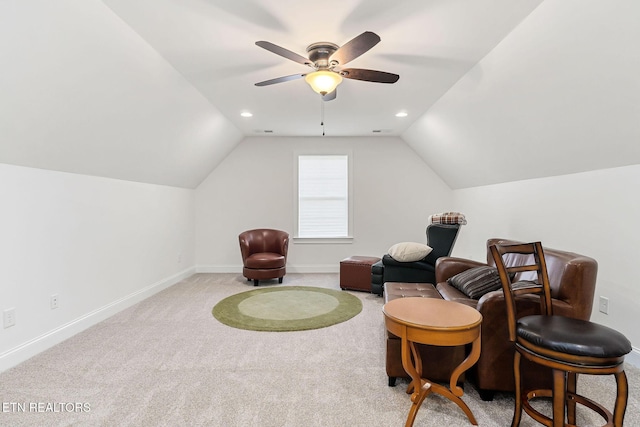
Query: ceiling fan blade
284	52
280	80
330	96
369	75
355	47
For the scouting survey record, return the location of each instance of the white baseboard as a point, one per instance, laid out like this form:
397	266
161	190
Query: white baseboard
315	268
26	350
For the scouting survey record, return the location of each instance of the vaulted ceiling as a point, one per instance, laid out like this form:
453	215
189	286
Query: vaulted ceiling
152	90
430	44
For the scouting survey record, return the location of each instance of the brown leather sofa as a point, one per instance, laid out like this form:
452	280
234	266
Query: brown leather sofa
572	278
264	254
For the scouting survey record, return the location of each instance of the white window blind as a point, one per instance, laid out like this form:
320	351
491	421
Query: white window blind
323	196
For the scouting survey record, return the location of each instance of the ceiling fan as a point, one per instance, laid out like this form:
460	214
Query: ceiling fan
327	59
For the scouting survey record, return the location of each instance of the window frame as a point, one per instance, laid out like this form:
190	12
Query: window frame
338	240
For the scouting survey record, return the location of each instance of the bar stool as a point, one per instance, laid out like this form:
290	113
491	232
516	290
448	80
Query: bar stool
567	346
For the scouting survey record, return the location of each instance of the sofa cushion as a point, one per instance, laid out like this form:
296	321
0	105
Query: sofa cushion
409	251
395	290
476	281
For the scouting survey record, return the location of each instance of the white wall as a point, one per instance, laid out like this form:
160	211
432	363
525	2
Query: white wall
393	194
592	213
100	244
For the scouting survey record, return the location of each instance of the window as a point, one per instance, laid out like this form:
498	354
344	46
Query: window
323	196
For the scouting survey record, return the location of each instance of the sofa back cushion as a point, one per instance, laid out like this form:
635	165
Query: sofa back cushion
572	276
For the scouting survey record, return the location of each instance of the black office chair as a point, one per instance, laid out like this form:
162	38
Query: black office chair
441	238
565	345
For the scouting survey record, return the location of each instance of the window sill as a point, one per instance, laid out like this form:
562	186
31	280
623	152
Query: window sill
323	240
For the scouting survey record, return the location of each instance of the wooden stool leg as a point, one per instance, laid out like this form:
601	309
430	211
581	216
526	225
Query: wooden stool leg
621	399
559	397
517	410
572	380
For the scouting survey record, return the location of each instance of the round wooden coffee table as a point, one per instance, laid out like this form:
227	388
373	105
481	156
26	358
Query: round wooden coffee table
435	322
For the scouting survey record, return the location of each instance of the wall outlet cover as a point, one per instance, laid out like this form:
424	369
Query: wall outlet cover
9	317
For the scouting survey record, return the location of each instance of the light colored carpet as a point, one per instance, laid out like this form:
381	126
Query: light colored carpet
168	362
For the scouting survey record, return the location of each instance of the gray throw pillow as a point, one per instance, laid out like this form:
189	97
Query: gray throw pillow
476	281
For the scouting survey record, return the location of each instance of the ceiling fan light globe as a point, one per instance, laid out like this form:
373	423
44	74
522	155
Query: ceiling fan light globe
323	82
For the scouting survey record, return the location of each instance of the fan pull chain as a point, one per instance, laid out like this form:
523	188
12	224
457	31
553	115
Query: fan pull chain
322	114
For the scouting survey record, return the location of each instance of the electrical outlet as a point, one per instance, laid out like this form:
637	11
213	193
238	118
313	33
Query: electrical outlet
9	317
54	301
604	305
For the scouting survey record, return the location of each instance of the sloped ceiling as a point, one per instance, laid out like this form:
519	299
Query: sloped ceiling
151	90
81	92
559	95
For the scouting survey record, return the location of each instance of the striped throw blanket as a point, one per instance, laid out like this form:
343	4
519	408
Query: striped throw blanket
448	218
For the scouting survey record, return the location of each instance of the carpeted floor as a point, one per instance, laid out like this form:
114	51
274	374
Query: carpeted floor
168	362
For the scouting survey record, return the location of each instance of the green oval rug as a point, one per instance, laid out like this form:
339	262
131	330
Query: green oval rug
287	308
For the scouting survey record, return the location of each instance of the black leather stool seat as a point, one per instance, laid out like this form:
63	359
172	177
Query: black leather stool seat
573	336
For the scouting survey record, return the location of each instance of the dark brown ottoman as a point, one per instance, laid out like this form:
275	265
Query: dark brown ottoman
355	272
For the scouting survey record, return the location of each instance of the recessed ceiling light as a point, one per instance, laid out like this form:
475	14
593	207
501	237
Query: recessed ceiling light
246	114
402	114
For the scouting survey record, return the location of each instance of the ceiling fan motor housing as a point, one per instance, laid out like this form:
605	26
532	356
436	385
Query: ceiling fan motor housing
319	54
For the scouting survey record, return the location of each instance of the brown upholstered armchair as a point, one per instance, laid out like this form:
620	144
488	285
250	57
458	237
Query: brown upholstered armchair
264	254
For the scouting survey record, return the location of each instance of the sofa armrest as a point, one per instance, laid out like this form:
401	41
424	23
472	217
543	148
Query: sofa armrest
447	267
